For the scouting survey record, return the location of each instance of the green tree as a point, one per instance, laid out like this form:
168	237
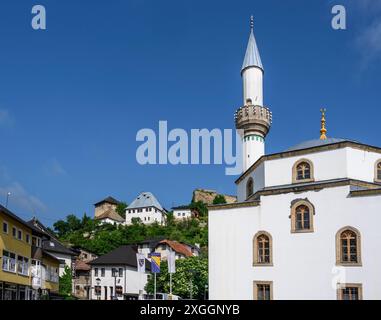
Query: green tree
219	199
65	282
121	209
191	275
200	207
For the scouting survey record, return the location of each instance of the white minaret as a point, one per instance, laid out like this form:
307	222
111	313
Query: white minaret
253	117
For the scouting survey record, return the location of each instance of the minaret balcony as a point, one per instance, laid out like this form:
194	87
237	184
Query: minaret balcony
253	118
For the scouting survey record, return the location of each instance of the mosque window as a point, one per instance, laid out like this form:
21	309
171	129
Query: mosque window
377	175
302	216
263	290
348	247
249	188
262	245
302	171
351	291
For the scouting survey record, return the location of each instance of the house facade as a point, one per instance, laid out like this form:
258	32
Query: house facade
27	270
145	208
115	275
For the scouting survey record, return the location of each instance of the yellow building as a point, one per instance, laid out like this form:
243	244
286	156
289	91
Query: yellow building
27	271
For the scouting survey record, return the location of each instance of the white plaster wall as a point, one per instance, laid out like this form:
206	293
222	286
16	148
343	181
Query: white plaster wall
327	165
152	215
252	79
131	282
110	221
303	263
258	176
252	151
64	257
187	212
361	164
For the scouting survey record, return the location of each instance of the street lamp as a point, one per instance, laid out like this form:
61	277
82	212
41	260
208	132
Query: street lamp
6	203
206	290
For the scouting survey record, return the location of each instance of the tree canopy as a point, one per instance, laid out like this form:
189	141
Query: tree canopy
191	275
102	238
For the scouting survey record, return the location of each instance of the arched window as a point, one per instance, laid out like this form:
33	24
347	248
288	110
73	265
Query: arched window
249	188
348	247
302	171
262	253
377	173
302	216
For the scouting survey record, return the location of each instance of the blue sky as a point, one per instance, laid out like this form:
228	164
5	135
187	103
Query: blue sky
72	97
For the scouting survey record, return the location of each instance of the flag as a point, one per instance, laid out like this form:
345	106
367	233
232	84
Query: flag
155	262
141	262
171	261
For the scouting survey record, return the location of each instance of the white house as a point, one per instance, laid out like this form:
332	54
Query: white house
146	208
182	212
306	224
115	275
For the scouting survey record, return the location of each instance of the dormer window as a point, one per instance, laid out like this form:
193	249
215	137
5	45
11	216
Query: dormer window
249	188
302	171
377	173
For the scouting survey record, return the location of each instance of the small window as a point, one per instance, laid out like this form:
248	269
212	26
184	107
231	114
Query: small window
302	171
19	234
249	188
27	238
120	272
14	232
95	272
349	292
302	216
377	173
103	272
348	247
263	290
5	227
262	249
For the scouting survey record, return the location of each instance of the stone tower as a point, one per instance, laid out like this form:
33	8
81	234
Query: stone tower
253	117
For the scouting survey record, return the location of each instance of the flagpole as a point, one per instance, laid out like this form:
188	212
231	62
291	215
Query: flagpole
154	287
170	284
170	271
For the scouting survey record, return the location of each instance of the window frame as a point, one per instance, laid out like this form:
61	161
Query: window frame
294	206
341	286
256	262
255	289
295	171
376	179
5	223
339	261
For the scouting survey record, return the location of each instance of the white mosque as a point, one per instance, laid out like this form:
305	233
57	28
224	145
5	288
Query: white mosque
307	224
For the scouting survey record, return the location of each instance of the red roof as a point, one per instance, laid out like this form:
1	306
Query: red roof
178	247
82	265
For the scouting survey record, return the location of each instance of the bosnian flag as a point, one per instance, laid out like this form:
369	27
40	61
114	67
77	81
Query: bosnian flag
141	262
155	262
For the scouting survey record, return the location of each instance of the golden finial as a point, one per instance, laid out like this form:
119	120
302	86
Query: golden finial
323	129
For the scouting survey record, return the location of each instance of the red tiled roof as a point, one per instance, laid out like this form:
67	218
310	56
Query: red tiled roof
82	265
178	247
